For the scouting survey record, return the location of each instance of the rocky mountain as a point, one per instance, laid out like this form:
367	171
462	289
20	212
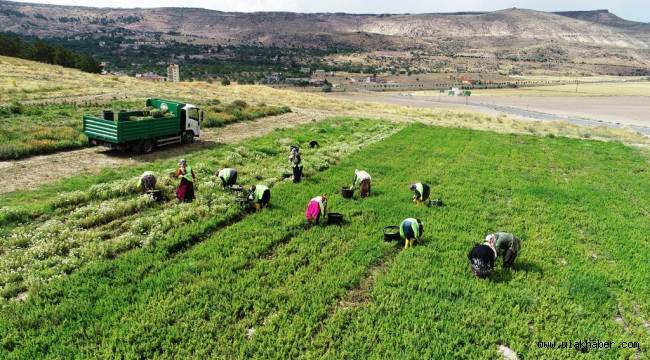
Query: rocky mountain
597	37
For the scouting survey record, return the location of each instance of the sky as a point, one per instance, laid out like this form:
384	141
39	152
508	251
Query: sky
638	10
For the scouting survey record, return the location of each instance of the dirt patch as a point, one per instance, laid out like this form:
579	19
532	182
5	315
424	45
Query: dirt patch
38	170
21	296
507	352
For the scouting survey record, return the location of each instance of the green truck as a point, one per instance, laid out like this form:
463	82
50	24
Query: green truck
165	122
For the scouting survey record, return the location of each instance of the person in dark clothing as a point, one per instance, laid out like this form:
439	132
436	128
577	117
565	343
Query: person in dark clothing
185	190
228	176
410	230
421	193
147	181
260	195
296	163
481	259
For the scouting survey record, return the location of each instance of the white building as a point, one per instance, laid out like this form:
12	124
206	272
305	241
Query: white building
173	73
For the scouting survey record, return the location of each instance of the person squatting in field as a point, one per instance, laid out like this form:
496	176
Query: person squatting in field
410	230
483	256
228	176
422	192
147	181
316	208
363	180
260	195
296	163
185	190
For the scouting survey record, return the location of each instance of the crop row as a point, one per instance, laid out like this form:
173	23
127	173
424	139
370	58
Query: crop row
267	287
110	218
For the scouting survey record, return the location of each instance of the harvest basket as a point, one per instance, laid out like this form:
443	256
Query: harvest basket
334	218
391	233
346	192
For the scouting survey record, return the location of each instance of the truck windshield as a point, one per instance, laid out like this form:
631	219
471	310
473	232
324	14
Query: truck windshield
194	114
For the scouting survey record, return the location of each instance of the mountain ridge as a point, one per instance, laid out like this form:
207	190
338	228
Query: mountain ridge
595	35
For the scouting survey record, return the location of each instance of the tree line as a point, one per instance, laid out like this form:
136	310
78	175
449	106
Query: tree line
38	50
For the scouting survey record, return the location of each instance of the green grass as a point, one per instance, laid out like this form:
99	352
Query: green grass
91	217
42	129
218	115
264	287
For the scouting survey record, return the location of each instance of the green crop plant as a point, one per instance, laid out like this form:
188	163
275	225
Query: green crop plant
217	115
111	217
267	287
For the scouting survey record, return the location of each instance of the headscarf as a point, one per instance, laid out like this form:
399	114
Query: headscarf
182	162
489	241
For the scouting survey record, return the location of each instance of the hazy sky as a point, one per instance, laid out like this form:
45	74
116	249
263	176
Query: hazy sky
630	9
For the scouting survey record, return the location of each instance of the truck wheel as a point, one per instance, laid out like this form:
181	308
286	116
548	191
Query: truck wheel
147	146
188	137
135	147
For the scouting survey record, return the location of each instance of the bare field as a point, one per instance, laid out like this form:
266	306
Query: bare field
583	89
612	111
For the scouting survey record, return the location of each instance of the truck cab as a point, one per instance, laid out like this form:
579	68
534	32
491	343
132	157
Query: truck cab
193	117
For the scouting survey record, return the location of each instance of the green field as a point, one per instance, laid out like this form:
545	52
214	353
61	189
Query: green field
223	284
42	129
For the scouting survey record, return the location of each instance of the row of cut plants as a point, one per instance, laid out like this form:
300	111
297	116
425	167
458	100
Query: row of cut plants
268	287
82	225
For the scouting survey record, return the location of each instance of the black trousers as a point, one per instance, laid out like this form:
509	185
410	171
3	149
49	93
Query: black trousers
297	173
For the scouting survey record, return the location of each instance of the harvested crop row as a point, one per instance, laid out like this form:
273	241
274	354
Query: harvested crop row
265	287
34	252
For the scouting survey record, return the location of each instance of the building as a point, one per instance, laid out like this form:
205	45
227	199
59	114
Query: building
173	73
150	76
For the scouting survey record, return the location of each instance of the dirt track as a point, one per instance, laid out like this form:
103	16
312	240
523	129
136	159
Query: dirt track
611	111
43	169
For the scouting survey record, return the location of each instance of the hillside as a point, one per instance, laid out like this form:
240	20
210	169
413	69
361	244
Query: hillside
603	17
510	35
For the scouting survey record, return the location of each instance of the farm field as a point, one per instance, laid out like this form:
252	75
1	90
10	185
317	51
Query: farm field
617	88
228	285
103	216
30	82
41	129
609	113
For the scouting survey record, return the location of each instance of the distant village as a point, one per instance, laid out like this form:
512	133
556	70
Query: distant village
337	81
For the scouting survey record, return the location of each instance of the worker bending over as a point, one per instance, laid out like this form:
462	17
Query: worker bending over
363	180
260	195
422	192
483	256
506	245
147	181
411	230
316	208
481	259
228	176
